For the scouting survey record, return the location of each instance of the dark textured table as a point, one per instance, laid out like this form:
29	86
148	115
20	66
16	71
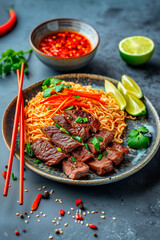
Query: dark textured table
135	201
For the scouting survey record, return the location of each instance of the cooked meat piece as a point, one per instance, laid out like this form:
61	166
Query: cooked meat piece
60	119
107	138
60	139
45	151
101	167
118	146
115	155
93	123
75	170
82	154
81	128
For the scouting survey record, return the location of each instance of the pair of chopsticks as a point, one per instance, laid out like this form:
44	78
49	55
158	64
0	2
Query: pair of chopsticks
18	112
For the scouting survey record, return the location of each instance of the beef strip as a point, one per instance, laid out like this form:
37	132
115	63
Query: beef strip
82	154
75	170
93	123
119	147
101	167
60	139
107	138
45	151
60	119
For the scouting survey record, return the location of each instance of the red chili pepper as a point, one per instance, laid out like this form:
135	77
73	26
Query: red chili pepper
36	202
79	217
92	226
16	232
6	27
62	212
96	211
4	174
78	201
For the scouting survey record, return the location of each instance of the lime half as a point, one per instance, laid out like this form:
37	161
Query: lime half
135	107
136	50
117	96
131	86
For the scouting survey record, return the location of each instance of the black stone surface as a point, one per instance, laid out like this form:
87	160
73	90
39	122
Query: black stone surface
135	201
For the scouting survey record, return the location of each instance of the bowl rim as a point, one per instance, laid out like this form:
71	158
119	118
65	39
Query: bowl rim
61	58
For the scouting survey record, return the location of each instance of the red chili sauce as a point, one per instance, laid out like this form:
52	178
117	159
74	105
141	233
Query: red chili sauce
65	44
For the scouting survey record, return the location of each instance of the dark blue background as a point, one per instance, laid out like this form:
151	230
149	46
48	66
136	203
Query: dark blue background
135	201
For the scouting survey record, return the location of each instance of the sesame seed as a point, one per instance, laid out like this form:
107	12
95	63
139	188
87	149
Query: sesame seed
60	218
56	200
57	222
103	217
72	209
73	216
57	231
82	222
75	221
17	214
84	213
61	232
31	212
44	215
87	224
50	237
41	213
25	190
66	224
55	218
53	221
28	216
114	218
26	221
37	215
61	202
88	212
103	212
39	189
69	212
92	212
45	191
9	185
78	221
39	220
51	192
44	187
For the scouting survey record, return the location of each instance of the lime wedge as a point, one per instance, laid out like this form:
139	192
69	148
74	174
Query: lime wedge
131	86
135	107
117	96
136	50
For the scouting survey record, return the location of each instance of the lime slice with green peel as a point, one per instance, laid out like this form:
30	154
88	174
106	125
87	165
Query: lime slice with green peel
131	86
135	107
115	94
136	50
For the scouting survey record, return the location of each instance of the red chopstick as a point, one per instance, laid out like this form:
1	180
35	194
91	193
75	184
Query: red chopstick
21	162
14	132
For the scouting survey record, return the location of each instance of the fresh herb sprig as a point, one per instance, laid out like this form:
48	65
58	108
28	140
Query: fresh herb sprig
11	61
137	138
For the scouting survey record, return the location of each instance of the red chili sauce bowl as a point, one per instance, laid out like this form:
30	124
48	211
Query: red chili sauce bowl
64	44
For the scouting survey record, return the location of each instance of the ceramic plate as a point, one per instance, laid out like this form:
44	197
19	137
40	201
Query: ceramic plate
132	162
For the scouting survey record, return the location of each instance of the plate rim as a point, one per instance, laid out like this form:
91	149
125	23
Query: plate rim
91	182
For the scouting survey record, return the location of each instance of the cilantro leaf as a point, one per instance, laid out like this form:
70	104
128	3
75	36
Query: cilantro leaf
50	81
137	139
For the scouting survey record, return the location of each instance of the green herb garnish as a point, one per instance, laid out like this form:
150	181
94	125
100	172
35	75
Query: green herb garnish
59	149
36	161
48	109
47	92
79	119
73	159
64	130
14	177
85	120
57	125
137	139
29	150
86	145
77	138
100	139
96	143
105	153
11	61
77	96
69	108
59	88
99	156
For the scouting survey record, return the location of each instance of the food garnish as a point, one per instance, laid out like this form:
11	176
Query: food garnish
115	94
78	138
99	156
73	159
29	150
131	86
137	138
96	143
36	202
11	61
136	50
86	145
6	27
135	106
105	153
100	139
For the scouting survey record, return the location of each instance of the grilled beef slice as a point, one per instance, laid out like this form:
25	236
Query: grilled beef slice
60	119
101	167
93	123
119	147
45	151
60	139
82	154
116	152
75	170
107	138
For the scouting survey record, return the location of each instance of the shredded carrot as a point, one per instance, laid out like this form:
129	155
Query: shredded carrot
59	107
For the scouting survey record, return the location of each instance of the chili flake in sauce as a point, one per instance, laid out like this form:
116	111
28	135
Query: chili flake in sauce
65	44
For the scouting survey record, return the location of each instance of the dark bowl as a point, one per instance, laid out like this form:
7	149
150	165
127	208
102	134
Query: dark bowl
59	63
